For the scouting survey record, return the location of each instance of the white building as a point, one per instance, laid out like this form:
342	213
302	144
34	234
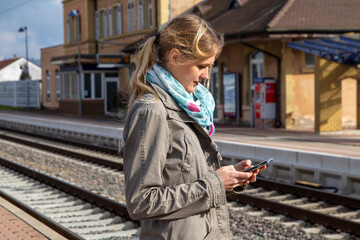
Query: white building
11	69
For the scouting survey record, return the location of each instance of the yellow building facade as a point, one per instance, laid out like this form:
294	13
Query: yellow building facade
110	31
307	92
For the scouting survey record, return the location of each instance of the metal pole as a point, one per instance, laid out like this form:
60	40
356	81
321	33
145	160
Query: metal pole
27	70
79	62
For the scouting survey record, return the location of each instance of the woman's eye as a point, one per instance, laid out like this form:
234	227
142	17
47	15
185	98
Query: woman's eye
201	67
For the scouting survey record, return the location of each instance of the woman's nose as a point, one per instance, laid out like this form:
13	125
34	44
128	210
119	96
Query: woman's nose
205	74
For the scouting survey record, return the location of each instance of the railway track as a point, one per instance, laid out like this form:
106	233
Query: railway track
106	157
72	211
330	210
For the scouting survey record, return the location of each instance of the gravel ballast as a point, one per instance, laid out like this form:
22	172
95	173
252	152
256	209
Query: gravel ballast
110	183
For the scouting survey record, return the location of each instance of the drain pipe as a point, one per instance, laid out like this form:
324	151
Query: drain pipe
278	122
170	10
96	41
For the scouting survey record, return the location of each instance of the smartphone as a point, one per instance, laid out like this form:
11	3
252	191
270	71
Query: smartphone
259	165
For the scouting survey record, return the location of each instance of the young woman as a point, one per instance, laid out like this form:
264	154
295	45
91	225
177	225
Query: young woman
175	184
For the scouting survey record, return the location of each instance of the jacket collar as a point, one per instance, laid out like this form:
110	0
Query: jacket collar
177	113
167	100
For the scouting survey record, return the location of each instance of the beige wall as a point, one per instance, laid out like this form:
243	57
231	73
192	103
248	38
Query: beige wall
303	114
177	7
299	91
329	97
236	56
87	37
349	102
338	104
46	55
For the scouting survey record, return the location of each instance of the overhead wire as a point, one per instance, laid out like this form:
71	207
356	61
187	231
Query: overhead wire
16	6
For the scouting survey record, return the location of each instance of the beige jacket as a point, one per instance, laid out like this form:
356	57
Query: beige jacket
170	178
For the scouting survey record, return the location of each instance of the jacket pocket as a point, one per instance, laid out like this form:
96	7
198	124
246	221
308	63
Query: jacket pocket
210	235
186	164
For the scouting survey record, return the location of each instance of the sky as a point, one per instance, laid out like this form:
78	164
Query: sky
44	22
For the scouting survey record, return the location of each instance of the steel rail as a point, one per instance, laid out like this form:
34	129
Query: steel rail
296	212
100	161
88	196
308	192
300	213
108	150
42	218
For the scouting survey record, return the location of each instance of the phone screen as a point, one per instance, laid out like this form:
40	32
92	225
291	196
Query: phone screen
259	165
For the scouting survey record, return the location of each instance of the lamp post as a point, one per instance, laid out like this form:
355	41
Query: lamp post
75	13
24	29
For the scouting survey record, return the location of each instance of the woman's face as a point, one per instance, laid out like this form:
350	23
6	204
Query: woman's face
190	74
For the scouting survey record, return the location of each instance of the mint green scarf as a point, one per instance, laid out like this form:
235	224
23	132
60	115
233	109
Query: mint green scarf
199	105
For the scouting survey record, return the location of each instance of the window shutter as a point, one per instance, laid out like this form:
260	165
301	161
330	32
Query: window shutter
150	13
131	19
105	23
110	22
119	19
97	30
141	14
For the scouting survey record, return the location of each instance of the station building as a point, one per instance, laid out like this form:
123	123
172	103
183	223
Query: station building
105	29
261	79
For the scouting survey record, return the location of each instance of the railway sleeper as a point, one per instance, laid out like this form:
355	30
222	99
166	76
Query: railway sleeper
313	205
67	209
113	228
74	225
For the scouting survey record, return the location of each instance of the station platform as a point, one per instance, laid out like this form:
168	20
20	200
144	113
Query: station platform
16	224
331	159
344	143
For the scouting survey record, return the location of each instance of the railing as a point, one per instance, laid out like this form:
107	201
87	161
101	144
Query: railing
22	93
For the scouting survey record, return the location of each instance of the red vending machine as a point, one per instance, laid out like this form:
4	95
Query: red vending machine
264	102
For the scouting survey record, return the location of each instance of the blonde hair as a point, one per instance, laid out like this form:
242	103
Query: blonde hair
190	34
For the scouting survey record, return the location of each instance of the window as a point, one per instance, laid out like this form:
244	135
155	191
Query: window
57	79
257	65
87	85
72	29
131	17
119	19
97	24
149	16
69	85
256	71
92	86
97	85
309	60
47	85
111	32
74	86
141	14
68	30
132	68
214	88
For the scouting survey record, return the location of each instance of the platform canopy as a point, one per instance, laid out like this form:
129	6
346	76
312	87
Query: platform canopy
342	49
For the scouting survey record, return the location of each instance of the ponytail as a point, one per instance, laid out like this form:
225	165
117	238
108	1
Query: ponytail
190	34
147	58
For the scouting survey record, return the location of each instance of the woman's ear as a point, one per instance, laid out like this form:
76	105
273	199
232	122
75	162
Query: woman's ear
174	56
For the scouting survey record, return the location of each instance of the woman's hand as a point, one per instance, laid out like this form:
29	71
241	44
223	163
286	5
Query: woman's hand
245	164
233	178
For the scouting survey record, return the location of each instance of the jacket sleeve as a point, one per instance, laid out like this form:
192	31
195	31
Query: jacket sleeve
145	151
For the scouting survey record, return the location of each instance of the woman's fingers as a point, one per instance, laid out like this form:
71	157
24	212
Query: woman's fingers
232	178
244	164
